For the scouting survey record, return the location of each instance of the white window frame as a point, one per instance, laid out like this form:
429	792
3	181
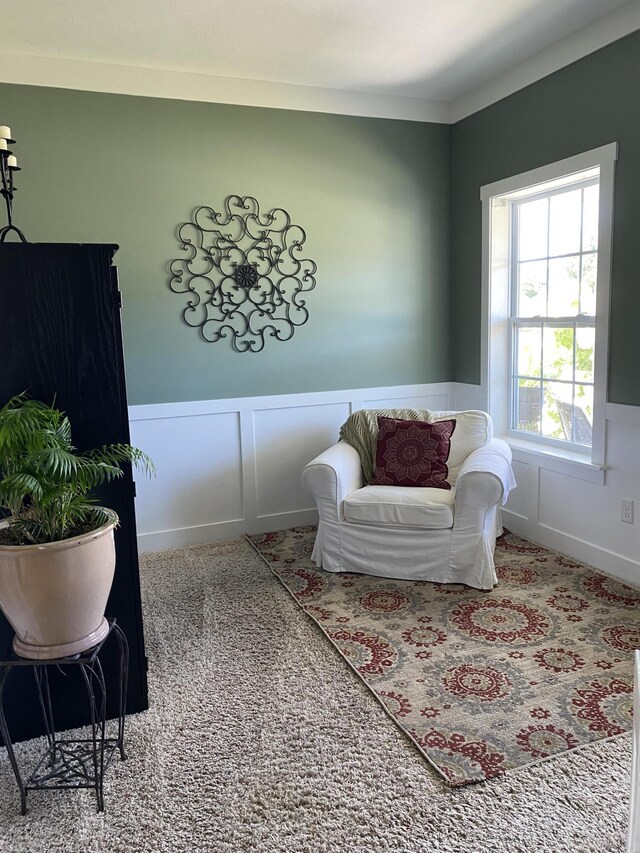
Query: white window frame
588	463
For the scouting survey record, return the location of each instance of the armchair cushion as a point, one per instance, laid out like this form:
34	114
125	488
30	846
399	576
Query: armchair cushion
473	430
413	453
360	430
398	506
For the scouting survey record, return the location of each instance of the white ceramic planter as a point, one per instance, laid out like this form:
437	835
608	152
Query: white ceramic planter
54	595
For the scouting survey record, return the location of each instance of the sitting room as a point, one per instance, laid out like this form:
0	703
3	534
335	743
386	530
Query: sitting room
319	417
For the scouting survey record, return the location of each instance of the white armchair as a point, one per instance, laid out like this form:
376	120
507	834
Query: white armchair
415	533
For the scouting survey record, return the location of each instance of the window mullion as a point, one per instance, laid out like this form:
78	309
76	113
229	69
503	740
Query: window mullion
581	249
547	259
514	394
542	326
513	397
573	389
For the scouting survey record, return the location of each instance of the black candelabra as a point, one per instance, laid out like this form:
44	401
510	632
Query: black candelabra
8	168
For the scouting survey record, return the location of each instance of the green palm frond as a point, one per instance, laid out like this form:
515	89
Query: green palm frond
118	453
45	483
76	469
27	427
16	488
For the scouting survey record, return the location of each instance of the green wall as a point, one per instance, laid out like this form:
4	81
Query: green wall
391	209
585	105
372	194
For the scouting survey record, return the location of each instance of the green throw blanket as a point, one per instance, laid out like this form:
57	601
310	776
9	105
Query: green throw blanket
360	430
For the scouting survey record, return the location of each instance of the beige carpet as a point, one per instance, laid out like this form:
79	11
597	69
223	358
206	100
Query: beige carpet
482	682
260	739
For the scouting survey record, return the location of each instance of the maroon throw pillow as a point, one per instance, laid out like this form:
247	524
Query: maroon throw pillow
413	453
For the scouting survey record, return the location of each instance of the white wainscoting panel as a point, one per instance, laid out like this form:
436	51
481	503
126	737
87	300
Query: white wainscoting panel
570	514
523	500
198	480
226	467
285	440
468	397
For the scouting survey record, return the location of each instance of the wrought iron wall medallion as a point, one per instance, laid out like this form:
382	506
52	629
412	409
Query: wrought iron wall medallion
242	275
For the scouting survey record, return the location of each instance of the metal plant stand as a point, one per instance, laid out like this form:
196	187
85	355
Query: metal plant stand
71	763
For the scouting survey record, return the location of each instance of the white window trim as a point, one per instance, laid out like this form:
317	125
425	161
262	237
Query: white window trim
494	362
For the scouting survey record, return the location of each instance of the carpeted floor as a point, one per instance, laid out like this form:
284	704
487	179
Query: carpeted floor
483	682
260	739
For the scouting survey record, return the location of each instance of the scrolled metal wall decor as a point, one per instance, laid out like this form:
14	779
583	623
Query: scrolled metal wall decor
241	274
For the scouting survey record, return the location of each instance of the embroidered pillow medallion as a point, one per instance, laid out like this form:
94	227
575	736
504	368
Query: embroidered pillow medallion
413	453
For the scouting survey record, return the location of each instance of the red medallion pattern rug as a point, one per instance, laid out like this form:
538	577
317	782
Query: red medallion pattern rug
481	682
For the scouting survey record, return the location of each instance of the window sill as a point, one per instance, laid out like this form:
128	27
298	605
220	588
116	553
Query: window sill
562	461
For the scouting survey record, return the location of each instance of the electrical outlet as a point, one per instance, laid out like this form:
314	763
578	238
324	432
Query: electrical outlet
626	511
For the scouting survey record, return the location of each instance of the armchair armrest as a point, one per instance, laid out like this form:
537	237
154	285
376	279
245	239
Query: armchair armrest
332	475
494	460
484	481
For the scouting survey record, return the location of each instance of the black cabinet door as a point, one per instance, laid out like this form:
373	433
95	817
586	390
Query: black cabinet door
61	339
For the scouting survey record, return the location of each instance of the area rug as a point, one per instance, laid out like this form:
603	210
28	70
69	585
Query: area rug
481	682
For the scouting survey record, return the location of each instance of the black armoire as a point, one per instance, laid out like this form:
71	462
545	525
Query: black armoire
61	339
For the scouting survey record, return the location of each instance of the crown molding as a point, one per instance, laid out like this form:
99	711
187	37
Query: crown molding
89	76
600	33
186	86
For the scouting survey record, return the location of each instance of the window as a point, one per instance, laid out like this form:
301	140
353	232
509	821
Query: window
547	249
553	312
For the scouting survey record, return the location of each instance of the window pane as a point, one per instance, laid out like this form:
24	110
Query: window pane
564	287
552	306
529	352
588	284
556	412
583	414
532	289
528	410
590	218
565	211
585	343
557	349
532	229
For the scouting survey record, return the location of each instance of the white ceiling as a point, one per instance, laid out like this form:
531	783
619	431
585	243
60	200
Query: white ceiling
421	49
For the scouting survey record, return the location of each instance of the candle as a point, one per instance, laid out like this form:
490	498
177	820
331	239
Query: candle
12	162
3	144
5	132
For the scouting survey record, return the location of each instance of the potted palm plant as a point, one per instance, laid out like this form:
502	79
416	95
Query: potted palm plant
57	550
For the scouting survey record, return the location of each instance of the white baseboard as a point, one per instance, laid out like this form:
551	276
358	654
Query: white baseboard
179	537
587	552
283	520
202	533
